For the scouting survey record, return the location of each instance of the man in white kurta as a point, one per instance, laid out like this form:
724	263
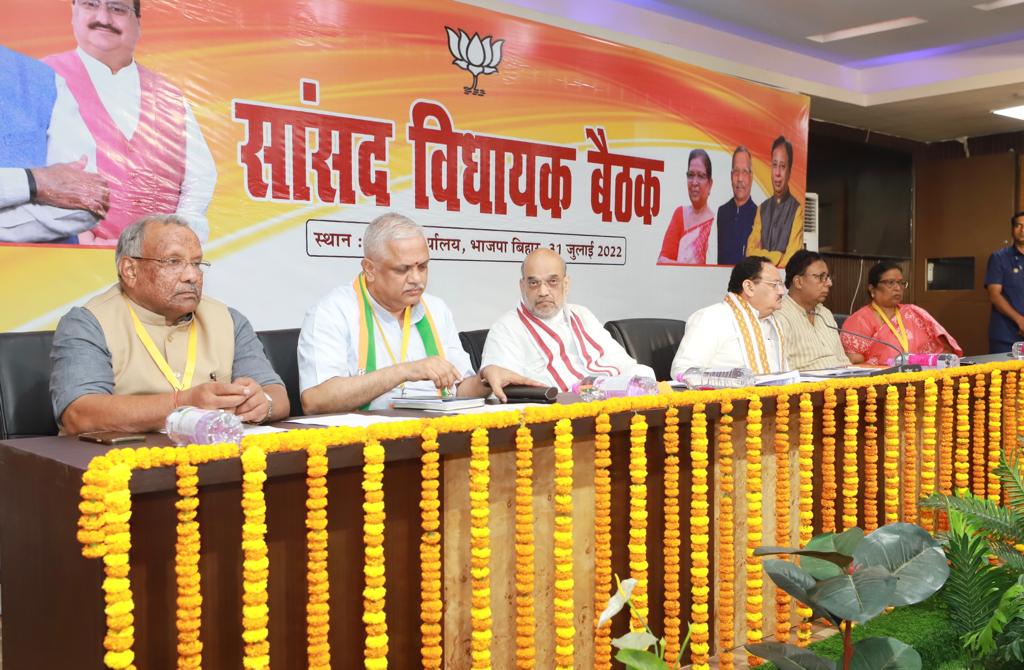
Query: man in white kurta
549	340
739	332
119	103
383	335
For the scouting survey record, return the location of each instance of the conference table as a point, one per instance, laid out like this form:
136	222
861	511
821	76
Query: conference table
802	435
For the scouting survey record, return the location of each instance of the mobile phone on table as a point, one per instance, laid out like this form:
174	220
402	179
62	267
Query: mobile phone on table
113	438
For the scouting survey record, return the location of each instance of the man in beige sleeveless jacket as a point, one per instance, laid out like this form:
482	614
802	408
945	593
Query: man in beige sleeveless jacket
152	343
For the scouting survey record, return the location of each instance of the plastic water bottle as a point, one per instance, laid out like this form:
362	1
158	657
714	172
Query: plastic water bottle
599	387
928	361
716	378
1017	351
191	425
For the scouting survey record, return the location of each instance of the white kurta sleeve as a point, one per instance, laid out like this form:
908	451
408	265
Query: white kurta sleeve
326	344
453	350
68	139
700	343
200	178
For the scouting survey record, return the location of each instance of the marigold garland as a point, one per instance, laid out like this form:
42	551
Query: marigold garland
910	455
870	459
1020	413
120	608
673	539
946	446
755	574
726	604
255	565
805	501
828	462
928	432
480	548
963	442
318	651
638	518
995	440
978	438
431	604
375	653
565	629
700	538
1009	420
525	618
783	503
186	567
851	473
891	462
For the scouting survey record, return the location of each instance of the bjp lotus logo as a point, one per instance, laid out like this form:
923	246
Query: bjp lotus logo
474	55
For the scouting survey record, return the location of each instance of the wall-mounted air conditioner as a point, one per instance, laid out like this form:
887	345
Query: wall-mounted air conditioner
811	222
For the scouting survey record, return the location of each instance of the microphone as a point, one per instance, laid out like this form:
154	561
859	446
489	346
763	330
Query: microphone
901	367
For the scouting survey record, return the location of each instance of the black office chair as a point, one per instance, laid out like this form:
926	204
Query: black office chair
473	342
25	409
652	342
281	347
840	318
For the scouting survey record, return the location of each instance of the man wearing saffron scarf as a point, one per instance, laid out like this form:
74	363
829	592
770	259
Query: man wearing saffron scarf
383	335
778	226
740	331
149	146
551	341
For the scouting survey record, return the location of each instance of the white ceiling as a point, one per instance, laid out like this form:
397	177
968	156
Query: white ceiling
934	81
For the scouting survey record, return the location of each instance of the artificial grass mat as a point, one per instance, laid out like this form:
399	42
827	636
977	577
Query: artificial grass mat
925	626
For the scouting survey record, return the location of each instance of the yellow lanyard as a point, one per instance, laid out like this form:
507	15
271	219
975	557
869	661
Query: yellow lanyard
161	362
901	333
406	323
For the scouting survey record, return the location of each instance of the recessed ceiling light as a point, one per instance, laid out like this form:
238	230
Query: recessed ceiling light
1013	112
870	29
997	4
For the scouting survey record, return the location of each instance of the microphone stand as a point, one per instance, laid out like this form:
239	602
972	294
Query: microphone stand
902	367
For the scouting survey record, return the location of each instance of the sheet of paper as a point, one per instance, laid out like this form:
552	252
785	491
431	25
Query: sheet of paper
485	409
262	430
346	420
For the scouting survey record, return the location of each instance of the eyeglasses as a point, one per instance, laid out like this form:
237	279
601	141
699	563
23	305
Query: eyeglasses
893	283
779	165
740	173
775	284
822	277
697	176
115	8
553	283
176	264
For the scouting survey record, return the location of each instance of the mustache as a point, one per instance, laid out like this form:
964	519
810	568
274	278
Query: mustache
96	25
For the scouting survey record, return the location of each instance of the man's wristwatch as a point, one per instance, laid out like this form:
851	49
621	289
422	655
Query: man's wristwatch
270	407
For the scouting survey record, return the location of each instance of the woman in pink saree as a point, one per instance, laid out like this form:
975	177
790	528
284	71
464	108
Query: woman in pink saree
906	327
688	234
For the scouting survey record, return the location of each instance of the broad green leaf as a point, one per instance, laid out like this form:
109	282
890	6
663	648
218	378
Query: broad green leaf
830	543
911	555
884	653
788	657
842	560
858	596
617	601
796	582
640	660
639	640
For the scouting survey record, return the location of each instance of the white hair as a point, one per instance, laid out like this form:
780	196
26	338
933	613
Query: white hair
386	228
129	243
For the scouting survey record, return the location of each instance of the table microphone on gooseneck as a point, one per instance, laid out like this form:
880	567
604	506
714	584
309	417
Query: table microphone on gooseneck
902	367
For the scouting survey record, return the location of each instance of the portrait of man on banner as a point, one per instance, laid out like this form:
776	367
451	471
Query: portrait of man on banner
149	145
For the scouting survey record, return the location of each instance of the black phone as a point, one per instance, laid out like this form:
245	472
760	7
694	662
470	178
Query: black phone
112	437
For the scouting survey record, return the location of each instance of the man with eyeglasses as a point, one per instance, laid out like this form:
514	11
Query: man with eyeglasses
552	341
153	342
809	328
741	331
383	335
148	143
49	189
736	217
778	226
